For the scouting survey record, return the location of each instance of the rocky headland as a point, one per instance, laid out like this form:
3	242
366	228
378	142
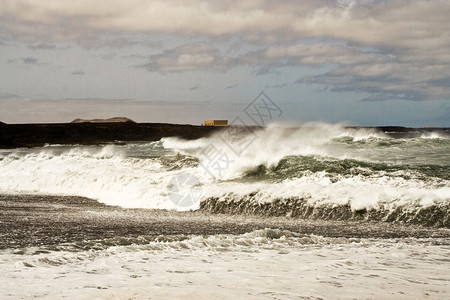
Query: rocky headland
92	133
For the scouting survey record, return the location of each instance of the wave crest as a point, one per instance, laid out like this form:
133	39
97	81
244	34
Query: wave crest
437	215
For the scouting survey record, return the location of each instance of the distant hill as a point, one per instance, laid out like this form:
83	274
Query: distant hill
110	120
1	123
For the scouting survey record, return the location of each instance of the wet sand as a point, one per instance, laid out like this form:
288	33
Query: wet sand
28	220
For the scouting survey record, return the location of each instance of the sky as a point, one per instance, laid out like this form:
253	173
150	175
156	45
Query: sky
360	62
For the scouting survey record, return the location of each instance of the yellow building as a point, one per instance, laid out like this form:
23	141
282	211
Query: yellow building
216	123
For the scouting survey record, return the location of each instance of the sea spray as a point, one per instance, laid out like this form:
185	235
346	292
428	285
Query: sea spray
314	171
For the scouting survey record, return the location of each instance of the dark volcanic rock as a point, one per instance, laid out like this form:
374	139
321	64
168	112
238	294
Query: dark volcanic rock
37	135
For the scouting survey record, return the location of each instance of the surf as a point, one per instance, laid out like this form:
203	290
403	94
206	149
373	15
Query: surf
312	171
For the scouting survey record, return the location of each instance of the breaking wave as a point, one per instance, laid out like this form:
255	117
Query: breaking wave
436	215
315	171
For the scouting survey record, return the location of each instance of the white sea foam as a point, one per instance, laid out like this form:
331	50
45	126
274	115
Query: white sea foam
434	135
104	174
119	175
270	145
319	189
271	263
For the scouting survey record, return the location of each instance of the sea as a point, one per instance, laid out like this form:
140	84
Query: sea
318	211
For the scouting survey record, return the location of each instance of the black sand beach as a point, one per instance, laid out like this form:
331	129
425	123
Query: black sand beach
29	220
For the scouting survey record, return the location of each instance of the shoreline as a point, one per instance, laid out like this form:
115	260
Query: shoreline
37	135
40	220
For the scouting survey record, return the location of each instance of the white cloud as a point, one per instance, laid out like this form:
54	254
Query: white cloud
42	46
399	48
408	24
191	57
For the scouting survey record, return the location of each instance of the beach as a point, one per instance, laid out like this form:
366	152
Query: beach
32	221
73	247
319	212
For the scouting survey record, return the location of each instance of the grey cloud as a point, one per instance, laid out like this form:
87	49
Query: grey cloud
378	88
191	57
313	54
320	90
405	24
78	72
42	46
135	56
383	73
389	49
97	42
443	82
231	86
30	60
7	96
94	42
386	75
109	56
384	96
96	100
273	86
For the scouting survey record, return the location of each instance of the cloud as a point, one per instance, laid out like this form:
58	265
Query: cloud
388	49
30	60
276	86
78	72
92	41
231	86
42	46
135	56
408	24
8	96
191	57
385	76
109	56
384	73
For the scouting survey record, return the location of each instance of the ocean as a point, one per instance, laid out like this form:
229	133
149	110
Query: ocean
320	211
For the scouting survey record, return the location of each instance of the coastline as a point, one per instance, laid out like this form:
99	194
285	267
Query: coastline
38	135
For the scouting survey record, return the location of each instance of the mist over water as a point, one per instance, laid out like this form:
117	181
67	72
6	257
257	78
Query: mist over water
317	165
